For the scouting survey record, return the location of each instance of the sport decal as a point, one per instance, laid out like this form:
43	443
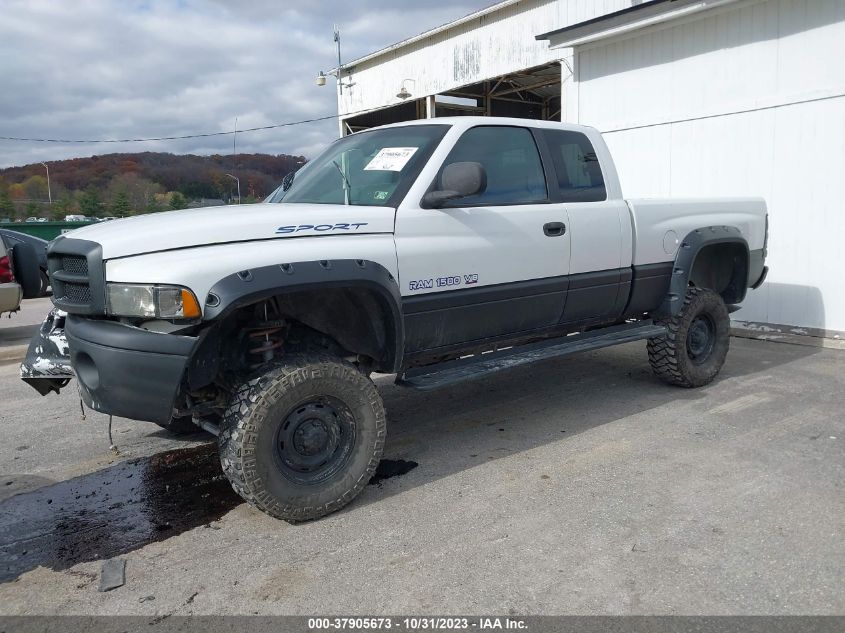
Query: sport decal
322	228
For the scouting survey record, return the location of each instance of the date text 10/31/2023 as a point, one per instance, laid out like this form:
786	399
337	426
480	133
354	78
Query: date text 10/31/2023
417	623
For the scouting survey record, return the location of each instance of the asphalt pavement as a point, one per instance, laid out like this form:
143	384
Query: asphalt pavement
17	328
575	486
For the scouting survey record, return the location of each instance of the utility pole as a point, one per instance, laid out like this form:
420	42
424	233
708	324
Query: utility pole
49	192
321	76
235	158
337	41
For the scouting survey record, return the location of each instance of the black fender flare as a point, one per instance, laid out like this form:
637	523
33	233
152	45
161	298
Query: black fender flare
254	284
685	258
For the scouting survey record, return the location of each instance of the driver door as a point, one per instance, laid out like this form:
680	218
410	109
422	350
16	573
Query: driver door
491	266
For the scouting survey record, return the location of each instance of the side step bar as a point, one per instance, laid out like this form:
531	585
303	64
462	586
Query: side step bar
463	369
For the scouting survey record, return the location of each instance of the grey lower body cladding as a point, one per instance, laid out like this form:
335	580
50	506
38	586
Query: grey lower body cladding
443	322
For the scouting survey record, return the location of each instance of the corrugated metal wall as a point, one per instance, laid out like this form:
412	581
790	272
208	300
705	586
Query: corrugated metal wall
747	100
487	47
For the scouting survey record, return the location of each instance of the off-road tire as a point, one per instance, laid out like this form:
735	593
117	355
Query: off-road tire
669	355
257	414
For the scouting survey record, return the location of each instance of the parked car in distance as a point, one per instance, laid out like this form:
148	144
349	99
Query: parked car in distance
10	290
18	274
16	237
75	218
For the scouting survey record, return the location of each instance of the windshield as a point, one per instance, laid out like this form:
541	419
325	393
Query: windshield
373	168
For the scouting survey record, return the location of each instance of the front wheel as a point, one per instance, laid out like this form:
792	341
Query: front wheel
696	342
303	439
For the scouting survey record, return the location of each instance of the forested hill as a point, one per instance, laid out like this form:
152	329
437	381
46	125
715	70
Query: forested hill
139	183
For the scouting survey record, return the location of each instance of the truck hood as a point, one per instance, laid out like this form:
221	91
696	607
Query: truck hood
234	223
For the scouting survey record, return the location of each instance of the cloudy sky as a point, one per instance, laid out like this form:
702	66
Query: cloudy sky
104	69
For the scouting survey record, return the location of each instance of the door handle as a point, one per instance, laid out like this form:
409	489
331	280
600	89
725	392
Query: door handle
554	229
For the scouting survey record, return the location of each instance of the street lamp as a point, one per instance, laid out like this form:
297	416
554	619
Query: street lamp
49	192
239	186
403	91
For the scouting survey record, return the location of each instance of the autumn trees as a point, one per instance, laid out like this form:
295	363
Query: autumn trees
128	184
7	207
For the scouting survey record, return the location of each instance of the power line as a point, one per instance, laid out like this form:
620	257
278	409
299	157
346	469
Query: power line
168	138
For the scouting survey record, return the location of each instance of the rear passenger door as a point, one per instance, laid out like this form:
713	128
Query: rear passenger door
490	265
599	275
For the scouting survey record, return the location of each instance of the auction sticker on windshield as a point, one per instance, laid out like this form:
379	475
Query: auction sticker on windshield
391	158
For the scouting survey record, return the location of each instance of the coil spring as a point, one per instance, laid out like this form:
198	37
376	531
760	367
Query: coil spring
264	340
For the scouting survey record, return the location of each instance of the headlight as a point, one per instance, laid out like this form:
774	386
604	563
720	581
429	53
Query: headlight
151	301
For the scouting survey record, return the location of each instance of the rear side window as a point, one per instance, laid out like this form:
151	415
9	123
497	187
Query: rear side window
512	162
579	176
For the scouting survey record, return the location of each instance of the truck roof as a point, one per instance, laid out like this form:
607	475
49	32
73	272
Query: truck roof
471	121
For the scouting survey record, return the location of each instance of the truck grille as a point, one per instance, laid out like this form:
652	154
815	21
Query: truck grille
77	293
77	276
75	264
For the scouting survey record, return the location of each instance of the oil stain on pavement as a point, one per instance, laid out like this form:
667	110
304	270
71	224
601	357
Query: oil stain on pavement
113	511
388	468
122	508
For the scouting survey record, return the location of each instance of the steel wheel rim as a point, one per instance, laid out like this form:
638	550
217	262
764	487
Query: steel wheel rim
314	440
701	338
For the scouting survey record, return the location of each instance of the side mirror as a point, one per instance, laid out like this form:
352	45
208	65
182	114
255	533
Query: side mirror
459	180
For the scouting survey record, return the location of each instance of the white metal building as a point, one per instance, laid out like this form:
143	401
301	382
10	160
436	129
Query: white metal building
695	98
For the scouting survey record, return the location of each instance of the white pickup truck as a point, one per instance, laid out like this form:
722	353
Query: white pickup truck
438	251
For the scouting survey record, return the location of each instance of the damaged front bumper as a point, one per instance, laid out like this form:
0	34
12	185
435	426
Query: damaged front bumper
120	370
47	363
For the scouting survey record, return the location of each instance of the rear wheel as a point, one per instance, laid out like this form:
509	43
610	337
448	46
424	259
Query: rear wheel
302	440
694	348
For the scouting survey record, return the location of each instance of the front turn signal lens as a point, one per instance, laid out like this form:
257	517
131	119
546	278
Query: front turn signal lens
190	306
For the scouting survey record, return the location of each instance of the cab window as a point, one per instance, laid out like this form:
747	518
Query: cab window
579	176
512	162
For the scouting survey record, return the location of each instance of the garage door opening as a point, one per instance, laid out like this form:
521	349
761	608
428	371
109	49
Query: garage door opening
534	93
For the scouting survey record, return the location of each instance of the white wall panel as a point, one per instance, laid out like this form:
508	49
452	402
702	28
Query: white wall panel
746	100
488	46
